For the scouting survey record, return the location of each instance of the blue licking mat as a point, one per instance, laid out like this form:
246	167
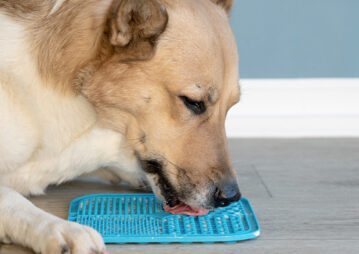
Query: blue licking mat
140	218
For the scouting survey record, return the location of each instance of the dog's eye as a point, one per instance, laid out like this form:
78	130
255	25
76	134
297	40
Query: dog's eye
197	107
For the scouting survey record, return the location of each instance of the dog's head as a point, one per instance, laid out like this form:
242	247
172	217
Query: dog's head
171	78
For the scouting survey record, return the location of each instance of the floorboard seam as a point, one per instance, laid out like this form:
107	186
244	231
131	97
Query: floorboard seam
262	181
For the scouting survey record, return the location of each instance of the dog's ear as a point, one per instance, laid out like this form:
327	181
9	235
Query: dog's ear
134	26
226	4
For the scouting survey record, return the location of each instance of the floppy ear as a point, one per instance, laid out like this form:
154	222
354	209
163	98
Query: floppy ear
226	4
135	26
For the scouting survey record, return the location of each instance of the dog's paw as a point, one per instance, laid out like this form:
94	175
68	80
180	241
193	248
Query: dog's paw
65	237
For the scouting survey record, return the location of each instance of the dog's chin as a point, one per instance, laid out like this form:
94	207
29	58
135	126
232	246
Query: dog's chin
166	192
168	197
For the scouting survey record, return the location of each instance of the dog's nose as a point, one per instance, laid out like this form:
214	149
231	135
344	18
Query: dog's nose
226	194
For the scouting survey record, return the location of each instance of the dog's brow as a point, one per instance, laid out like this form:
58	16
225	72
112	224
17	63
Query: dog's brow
195	92
212	95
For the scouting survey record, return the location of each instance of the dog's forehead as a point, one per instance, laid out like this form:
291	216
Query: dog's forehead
198	50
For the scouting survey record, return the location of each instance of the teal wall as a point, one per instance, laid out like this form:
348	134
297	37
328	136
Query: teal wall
297	38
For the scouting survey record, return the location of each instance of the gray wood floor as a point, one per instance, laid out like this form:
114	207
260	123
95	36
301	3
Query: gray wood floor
305	193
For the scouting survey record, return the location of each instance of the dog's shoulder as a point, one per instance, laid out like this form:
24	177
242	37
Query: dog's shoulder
29	106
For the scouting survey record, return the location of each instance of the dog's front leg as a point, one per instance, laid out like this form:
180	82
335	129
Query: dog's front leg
23	223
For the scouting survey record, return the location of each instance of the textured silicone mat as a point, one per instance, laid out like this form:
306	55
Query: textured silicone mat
140	218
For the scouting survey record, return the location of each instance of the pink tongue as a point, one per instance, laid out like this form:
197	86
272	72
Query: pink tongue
182	208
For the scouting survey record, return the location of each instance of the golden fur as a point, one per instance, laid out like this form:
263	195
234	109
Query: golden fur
106	83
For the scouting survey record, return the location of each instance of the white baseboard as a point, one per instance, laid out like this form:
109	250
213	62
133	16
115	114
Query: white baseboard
296	108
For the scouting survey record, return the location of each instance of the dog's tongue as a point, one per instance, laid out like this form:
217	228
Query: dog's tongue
182	208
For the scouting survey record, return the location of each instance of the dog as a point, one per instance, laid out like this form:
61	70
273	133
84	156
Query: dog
139	89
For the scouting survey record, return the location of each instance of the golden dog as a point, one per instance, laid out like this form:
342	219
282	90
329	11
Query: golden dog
140	88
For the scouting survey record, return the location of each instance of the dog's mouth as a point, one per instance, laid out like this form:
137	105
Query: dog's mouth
183	208
175	206
172	203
